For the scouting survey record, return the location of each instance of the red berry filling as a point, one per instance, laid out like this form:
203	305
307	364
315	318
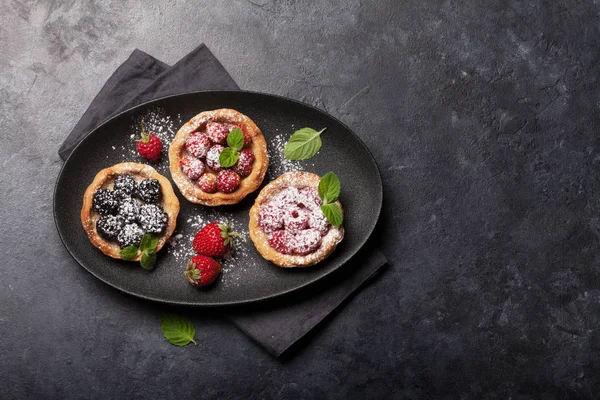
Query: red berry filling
197	144
212	158
293	221
227	181
192	167
244	165
208	182
217	132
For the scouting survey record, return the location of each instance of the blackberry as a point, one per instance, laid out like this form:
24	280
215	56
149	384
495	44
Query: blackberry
126	183
149	190
109	226
131	234
152	218
104	202
129	209
120	195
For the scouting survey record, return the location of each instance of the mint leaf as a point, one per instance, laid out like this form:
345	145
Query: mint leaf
303	144
235	139
329	188
333	212
153	243
179	331
148	259
129	253
145	243
228	157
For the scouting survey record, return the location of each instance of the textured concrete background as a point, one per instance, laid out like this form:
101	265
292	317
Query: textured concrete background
484	118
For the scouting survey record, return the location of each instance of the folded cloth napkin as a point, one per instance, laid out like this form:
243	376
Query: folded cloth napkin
142	78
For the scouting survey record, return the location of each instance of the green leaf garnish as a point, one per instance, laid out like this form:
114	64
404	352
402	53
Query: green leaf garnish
235	139
303	144
329	188
229	156
145	243
179	331
333	212
128	253
148	259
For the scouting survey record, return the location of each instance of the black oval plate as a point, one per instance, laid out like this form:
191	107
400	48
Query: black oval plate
247	277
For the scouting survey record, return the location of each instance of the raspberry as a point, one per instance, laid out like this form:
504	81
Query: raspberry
208	182
197	144
244	164
306	242
109	226
212	158
281	241
149	146
288	195
149	190
318	221
295	220
192	167
247	137
130	235
217	132
152	218
227	181
126	184
270	218
309	197
104	202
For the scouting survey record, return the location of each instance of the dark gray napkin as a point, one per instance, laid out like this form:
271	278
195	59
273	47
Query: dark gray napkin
275	326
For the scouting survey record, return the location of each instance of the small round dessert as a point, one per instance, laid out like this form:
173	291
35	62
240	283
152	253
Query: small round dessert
287	225
194	158
124	202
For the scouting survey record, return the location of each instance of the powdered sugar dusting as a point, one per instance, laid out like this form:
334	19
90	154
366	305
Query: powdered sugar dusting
278	164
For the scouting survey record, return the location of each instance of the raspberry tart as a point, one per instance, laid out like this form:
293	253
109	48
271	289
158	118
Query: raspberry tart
194	157
287	225
126	201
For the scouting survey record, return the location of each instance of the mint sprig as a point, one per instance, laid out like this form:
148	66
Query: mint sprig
179	331
303	144
147	247
329	190
229	156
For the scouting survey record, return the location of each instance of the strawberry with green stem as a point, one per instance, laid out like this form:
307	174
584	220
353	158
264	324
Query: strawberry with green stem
149	146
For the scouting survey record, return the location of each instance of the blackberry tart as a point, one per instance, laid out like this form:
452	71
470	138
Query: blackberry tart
287	225
126	201
194	158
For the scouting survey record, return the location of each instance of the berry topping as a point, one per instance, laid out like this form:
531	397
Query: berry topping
244	164
197	144
212	157
227	181
109	226
270	219
247	137
129	209
149	146
202	270
126	183
149	190
152	218
282	242
318	221
130	235
295	219
104	202
192	167
306	242
208	182
120	195
217	132
309	197
214	239
288	195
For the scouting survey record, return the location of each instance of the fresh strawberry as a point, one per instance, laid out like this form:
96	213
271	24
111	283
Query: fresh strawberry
214	240
212	157
217	132
208	182
282	241
149	146
202	270
192	167
244	164
227	181
197	144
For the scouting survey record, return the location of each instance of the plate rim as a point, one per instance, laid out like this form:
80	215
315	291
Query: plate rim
226	303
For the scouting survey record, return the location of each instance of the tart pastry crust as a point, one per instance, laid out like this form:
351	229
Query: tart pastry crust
247	185
334	236
105	179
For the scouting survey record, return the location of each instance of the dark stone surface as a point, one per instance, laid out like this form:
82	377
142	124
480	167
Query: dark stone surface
484	118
